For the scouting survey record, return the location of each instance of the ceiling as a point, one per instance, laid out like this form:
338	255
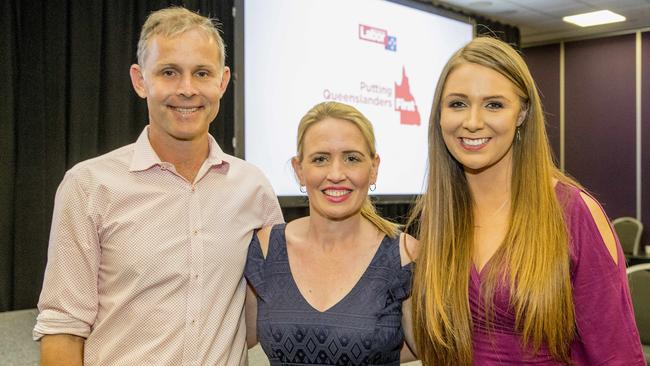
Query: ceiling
540	21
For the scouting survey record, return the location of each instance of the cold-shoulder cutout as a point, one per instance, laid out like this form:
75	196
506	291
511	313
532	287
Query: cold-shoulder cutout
409	248
602	223
263	236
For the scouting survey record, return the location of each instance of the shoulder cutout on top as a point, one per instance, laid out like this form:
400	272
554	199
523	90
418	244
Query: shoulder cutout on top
263	236
409	248
602	223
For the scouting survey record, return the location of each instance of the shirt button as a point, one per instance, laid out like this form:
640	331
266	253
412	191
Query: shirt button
195	232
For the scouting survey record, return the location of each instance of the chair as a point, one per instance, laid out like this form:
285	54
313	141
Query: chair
16	344
628	230
639	279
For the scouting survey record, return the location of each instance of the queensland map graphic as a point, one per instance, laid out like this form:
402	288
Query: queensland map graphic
405	103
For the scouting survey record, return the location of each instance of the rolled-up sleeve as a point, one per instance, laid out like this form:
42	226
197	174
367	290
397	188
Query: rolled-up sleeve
69	298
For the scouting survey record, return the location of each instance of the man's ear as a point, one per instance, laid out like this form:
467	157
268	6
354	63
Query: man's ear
137	80
297	169
225	79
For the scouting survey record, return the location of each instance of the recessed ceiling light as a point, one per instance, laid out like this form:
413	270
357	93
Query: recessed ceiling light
594	18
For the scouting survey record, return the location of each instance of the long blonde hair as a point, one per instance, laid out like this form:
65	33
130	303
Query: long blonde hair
534	256
346	112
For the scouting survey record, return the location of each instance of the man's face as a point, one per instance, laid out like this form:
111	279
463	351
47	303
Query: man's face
182	80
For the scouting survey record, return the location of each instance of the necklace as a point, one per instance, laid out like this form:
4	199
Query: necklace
500	207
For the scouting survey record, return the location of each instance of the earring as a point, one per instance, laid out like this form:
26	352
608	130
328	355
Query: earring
303	189
373	187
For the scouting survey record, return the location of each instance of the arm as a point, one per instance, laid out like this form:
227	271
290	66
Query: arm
605	325
408	351
251	316
602	224
62	350
262	237
409	250
69	298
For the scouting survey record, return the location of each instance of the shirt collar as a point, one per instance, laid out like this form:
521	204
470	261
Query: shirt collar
144	156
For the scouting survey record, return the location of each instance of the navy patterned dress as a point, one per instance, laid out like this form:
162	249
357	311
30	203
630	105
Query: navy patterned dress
364	328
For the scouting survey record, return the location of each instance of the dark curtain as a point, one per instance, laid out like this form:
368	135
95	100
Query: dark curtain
66	96
7	152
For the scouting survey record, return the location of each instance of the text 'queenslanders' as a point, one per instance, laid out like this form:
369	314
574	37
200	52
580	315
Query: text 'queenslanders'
368	93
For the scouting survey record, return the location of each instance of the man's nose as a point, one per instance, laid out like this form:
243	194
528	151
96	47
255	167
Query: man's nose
186	86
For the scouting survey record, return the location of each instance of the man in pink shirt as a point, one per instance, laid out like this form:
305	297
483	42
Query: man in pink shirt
149	241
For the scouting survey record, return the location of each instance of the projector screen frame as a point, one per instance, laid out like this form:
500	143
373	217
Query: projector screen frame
238	81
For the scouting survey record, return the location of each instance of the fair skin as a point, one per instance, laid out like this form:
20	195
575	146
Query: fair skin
336	169
62	350
183	81
480	112
330	250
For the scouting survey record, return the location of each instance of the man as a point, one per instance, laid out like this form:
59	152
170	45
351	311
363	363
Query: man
149	241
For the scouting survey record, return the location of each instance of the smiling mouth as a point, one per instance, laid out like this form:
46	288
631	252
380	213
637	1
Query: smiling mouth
474	142
336	192
185	110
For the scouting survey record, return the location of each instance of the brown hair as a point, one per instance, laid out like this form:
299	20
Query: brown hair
534	256
346	112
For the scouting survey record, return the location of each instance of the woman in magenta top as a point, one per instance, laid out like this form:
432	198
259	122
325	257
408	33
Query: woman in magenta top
518	265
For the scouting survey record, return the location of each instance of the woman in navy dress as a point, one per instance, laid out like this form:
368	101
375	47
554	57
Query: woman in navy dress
329	288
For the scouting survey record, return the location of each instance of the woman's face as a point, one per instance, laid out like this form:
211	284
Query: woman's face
336	168
479	112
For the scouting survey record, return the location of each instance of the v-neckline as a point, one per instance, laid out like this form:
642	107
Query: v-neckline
479	273
348	294
475	274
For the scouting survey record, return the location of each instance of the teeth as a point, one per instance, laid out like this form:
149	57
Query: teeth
336	192
185	110
475	142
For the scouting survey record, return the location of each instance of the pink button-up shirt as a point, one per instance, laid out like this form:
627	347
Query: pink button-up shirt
148	266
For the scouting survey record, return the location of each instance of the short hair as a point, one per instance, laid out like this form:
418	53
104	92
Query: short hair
175	20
